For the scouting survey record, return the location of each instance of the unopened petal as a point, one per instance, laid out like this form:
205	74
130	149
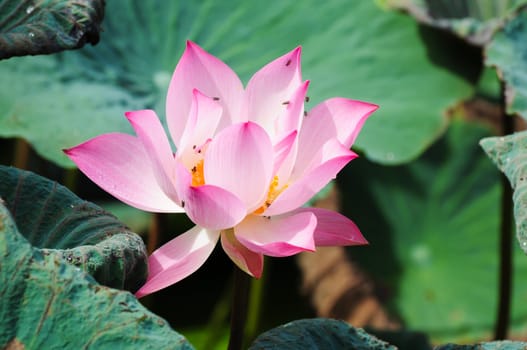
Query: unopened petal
293	113
240	160
151	133
203	121
270	89
178	259
198	69
287	123
119	164
278	236
245	259
283	151
334	229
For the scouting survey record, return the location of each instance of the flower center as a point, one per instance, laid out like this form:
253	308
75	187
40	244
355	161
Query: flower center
198	178
273	192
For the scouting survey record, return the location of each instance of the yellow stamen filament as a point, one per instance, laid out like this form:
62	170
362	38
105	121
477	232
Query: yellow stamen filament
198	178
273	192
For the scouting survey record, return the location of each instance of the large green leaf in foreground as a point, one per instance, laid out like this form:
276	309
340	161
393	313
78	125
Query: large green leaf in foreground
29	27
318	333
433	228
46	303
323	333
350	48
58	223
508	53
509	154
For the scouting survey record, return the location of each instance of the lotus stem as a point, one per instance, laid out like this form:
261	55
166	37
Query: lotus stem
255	305
240	302
505	274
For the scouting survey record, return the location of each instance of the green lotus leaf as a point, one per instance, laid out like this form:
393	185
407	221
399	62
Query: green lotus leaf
473	20
29	27
433	228
318	333
58	223
351	49
508	53
46	303
508	153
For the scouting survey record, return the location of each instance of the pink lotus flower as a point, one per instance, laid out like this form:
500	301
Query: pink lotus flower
246	162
